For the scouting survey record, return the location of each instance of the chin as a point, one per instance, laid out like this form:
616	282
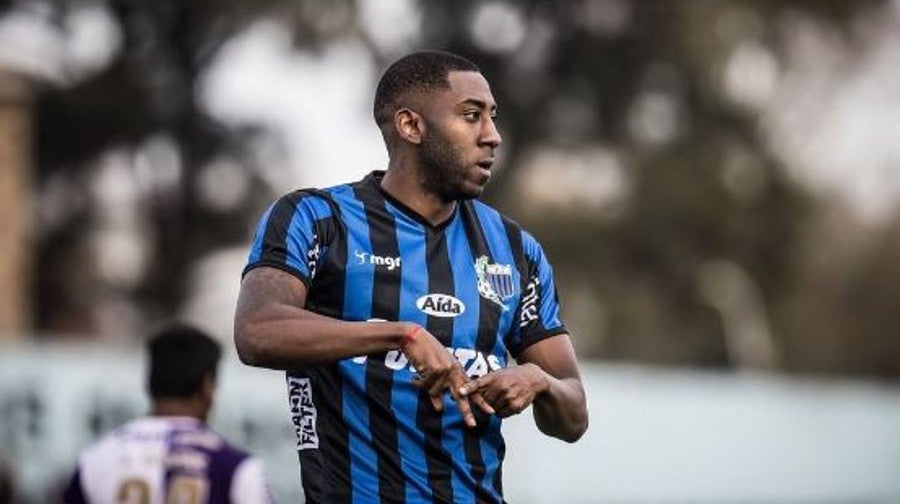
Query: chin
472	192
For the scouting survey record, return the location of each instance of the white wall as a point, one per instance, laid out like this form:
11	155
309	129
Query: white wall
656	435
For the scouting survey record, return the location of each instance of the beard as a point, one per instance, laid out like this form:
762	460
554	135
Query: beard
443	168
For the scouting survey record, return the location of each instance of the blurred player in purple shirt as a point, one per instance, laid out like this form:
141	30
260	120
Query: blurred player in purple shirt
171	455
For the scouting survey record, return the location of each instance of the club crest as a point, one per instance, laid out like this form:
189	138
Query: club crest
495	281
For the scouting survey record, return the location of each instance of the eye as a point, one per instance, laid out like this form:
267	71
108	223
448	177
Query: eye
472	115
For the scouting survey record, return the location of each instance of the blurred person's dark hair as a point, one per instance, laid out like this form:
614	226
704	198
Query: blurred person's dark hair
180	357
420	71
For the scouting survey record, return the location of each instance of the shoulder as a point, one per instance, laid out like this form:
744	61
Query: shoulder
490	215
531	245
317	201
233	452
303	207
140	432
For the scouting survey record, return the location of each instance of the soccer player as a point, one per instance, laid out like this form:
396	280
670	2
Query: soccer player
395	302
171	455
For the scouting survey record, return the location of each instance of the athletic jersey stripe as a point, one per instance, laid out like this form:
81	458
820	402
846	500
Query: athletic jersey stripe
256	248
428	420
271	244
333	470
514	235
326	294
363	465
496	439
493	226
275	239
385	298
414	272
358	306
540	307
490	311
458	439
471	246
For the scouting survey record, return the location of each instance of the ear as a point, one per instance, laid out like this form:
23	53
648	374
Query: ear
410	125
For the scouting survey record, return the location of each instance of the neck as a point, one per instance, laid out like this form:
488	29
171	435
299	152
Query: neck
190	407
404	182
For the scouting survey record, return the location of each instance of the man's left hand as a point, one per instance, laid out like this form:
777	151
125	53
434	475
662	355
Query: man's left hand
509	390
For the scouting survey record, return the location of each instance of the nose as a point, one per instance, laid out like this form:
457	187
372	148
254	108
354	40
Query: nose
490	136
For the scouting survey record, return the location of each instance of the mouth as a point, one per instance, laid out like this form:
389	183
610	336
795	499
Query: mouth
485	164
485	169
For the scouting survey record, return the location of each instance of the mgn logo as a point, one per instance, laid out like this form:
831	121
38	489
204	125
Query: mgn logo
376	260
441	305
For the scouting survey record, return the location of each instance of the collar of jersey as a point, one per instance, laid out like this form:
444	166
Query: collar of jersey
374	180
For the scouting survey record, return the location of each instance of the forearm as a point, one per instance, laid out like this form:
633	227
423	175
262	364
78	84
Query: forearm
560	409
279	336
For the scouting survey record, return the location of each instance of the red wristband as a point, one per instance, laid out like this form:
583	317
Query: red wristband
410	337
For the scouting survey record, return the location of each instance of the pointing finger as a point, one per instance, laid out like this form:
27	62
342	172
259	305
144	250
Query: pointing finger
477	399
461	401
463	404
437	402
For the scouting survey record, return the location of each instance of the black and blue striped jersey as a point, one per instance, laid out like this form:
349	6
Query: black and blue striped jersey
478	282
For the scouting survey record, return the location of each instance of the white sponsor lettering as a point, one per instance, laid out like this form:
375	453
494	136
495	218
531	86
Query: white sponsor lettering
312	256
474	363
441	305
530	302
479	367
303	412
396	360
390	263
464	355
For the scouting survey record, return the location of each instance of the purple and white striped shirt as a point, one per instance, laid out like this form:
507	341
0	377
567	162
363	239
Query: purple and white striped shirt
154	460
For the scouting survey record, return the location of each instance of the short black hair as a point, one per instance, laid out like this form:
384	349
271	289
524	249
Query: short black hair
419	71
180	356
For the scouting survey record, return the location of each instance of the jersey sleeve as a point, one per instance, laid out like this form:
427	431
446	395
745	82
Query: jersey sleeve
249	483
293	236
537	316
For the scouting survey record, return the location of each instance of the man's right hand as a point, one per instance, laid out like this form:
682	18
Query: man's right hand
438	371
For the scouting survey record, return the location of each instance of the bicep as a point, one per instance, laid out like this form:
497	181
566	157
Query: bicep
555	355
265	288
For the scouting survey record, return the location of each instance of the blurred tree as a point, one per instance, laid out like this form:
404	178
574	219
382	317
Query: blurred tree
148	92
635	101
15	200
643	78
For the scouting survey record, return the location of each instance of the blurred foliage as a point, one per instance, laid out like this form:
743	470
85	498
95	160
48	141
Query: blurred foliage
148	90
573	84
